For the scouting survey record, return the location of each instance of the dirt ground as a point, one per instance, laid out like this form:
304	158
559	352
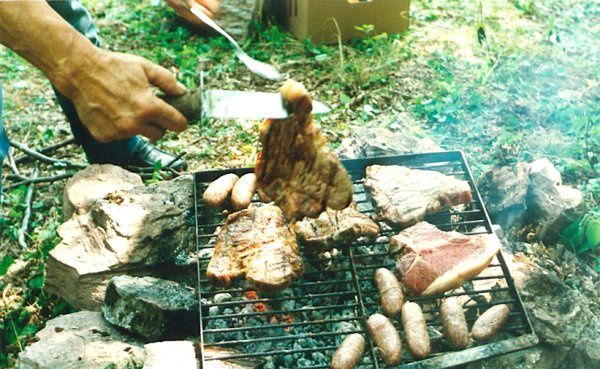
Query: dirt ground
505	81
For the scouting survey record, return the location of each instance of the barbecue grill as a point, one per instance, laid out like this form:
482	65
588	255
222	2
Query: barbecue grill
302	326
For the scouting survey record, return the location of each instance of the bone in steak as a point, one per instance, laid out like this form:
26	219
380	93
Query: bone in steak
295	168
432	261
334	228
258	244
403	196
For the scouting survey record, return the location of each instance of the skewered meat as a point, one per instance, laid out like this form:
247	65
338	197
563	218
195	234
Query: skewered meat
296	169
334	228
403	196
258	244
433	261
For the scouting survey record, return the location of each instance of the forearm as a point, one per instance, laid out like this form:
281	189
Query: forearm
37	33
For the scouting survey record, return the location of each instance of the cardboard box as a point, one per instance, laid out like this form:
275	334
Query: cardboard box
314	19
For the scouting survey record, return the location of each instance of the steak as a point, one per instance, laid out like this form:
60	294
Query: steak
334	228
403	196
256	243
432	261
295	168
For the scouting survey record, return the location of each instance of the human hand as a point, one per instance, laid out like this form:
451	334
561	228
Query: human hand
114	98
208	7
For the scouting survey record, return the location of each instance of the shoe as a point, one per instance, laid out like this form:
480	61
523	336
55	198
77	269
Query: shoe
147	155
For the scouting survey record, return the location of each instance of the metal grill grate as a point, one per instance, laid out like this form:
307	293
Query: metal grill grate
302	326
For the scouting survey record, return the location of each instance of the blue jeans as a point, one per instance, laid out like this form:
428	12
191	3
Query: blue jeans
116	152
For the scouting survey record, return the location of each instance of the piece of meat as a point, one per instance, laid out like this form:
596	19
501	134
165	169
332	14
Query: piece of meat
295	168
334	228
403	196
432	261
258	244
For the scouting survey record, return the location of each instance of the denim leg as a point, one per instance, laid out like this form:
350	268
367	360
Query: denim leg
116	152
3	143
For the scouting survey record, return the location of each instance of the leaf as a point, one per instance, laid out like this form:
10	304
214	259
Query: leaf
29	330
481	36
5	263
344	99
592	233
37	282
598	264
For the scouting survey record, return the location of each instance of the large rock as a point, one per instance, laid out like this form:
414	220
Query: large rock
81	340
545	167
155	309
93	183
139	232
504	193
170	355
365	142
544	203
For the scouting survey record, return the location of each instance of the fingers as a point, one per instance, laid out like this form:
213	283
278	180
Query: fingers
163	79
164	115
211	7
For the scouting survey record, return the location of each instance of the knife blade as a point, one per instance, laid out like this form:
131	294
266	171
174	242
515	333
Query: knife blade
228	104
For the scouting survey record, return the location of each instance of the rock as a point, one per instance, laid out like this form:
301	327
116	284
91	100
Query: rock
81	340
525	359
93	183
504	193
221	297
543	202
142	231
236	17
547	169
551	208
170	354
366	142
152	308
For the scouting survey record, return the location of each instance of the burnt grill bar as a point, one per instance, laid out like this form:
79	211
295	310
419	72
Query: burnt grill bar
328	304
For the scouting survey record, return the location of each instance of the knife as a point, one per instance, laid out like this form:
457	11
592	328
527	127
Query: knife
227	104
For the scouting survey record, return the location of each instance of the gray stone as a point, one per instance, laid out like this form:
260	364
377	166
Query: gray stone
221	297
547	169
81	340
236	17
375	141
504	192
170	355
544	203
152	308
136	232
93	183
526	359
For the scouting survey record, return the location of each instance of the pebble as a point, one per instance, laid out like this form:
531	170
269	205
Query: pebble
222	297
228	311
213	310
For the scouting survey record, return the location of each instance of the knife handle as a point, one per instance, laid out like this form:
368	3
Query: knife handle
188	104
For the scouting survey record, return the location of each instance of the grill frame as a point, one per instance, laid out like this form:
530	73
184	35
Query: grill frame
429	161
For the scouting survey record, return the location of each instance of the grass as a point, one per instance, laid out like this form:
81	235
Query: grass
506	81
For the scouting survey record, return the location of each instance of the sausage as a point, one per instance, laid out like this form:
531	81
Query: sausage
391	296
348	355
455	325
217	192
490	322
242	193
386	338
415	330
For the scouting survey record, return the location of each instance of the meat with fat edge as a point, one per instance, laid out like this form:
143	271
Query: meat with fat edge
432	261
403	196
257	244
334	228
295	168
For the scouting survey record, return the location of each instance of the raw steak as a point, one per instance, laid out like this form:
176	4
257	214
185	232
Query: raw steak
334	228
403	196
432	261
296	169
258	244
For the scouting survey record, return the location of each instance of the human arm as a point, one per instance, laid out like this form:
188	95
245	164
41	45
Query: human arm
112	92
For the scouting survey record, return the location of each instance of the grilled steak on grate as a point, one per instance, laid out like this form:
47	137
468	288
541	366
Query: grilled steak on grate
258	244
403	196
432	261
334	228
295	168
